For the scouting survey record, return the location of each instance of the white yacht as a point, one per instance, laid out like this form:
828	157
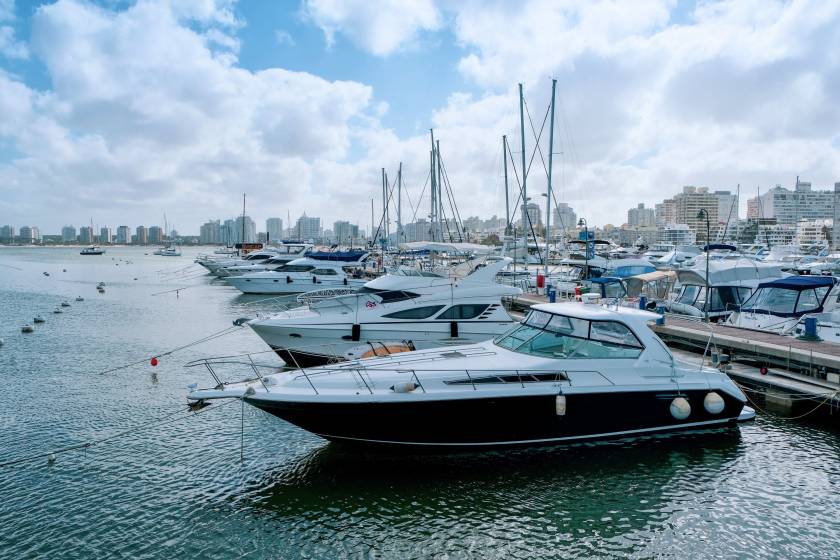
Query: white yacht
406	310
732	280
316	271
779	305
257	261
170	250
214	262
569	372
92	250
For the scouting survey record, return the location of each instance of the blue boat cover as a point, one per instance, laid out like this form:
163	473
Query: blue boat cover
606	280
344	256
800	283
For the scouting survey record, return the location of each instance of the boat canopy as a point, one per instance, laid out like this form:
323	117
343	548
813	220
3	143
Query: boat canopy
446	247
729	272
719	247
800	283
343	256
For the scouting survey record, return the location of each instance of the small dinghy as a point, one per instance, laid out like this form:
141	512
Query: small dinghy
58	310
65	304
80	298
27	328
39	319
46	273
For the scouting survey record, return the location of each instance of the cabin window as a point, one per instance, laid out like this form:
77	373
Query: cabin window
415	313
689	294
571	338
295	268
463	312
808	301
538	319
325	272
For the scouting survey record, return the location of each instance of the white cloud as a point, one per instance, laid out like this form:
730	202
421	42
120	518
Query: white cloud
9	46
283	37
7	10
376	27
143	114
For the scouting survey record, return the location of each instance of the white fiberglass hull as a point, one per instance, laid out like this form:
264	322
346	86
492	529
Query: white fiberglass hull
306	346
284	284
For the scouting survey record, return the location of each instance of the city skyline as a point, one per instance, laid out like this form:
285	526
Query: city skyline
651	96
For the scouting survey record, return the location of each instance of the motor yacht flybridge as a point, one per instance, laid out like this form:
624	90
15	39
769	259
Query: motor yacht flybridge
315	271
568	372
404	310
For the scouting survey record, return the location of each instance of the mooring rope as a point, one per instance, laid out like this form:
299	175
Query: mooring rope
169	418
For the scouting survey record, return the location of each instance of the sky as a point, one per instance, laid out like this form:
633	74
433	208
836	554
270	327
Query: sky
118	111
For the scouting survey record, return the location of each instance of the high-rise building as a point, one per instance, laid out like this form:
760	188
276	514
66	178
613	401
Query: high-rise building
68	234
105	235
274	229
210	233
727	206
346	233
677	234
789	207
142	236
533	217
308	228
123	235
753	208
29	234
641	217
7	234
86	235
689	203
564	217
155	234
814	232
665	212
421	230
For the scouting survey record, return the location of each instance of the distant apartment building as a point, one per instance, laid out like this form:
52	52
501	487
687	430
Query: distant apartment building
421	230
155	234
665	212
274	229
689	204
727	206
29	234
86	235
68	234
105	235
565	217
531	216
210	233
676	234
641	217
7	234
123	235
814	232
753	208
142	236
789	207
308	228
346	233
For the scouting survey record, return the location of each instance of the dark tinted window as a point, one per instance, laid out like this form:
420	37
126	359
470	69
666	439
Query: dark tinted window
295	268
325	272
416	313
465	311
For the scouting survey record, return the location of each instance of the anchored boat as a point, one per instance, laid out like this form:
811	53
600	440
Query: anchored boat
568	372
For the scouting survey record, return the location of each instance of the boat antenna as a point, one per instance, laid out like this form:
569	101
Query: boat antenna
507	199
243	219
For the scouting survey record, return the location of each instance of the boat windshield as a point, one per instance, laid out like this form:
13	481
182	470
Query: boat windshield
781	301
557	336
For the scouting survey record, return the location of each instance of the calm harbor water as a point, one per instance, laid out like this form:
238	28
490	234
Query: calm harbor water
768	489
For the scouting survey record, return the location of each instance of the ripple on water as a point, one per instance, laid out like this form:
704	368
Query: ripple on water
767	489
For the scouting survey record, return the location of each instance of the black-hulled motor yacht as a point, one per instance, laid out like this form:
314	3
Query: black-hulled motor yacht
568	372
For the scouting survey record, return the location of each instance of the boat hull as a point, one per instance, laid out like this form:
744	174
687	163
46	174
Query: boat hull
500	421
316	346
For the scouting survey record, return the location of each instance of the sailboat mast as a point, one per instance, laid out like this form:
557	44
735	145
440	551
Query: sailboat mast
550	161
433	174
507	198
399	204
439	191
243	219
526	218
